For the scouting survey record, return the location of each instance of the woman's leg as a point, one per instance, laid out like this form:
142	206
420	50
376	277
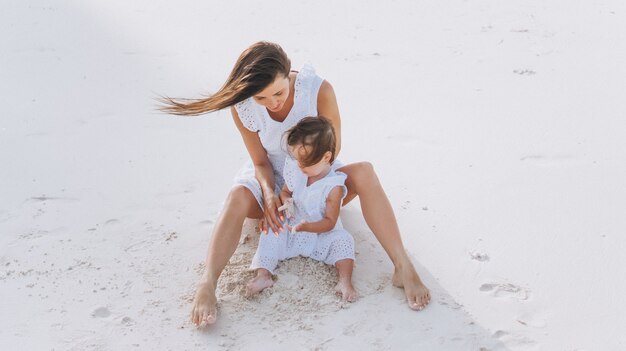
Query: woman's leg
240	204
363	182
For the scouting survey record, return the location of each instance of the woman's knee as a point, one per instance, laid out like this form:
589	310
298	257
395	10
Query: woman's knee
365	168
240	197
363	172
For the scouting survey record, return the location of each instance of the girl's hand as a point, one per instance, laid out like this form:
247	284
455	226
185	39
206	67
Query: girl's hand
289	208
272	218
297	228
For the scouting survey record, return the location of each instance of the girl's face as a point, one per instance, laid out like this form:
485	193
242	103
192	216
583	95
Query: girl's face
299	152
273	97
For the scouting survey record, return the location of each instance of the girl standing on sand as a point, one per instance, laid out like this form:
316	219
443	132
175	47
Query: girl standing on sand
266	98
312	196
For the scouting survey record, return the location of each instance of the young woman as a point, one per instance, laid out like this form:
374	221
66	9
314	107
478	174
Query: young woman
266	98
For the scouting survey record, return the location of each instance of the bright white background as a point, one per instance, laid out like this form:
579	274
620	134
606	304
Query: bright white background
496	128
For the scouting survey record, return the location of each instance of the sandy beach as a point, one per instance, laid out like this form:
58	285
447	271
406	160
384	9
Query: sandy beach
496	128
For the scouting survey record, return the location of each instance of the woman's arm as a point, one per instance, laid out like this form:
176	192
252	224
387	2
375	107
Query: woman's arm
333	203
262	171
327	107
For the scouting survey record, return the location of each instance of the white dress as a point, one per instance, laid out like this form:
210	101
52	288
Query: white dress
256	119
310	205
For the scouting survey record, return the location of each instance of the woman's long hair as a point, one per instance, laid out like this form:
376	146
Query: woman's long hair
256	68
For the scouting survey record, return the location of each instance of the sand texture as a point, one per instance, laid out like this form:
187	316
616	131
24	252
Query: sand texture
497	129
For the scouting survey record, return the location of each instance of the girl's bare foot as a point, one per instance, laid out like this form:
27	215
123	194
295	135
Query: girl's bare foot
262	281
204	310
417	294
345	288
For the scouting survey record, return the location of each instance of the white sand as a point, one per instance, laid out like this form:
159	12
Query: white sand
497	129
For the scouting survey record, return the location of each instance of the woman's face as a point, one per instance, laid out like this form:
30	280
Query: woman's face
273	97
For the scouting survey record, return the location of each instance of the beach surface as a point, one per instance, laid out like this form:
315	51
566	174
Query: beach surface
497	129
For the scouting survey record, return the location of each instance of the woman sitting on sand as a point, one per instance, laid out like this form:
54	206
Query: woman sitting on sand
312	196
266	98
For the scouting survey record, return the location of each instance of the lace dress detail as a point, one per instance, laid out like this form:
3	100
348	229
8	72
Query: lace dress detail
247	115
256	119
310	205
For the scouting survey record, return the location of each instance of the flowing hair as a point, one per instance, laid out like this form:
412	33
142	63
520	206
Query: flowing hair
256	68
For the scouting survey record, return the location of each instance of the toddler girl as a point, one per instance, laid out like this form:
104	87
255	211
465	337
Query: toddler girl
311	198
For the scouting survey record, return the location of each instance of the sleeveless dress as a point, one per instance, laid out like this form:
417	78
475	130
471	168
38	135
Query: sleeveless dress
256	119
310	205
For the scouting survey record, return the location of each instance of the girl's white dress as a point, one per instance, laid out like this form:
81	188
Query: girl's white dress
310	205
256	119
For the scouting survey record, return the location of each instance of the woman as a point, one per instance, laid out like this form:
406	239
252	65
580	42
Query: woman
266	98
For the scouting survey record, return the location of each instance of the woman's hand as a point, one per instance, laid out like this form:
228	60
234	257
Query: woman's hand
272	218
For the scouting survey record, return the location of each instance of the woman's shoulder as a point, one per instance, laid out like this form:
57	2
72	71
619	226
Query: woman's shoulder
308	84
308	76
244	104
307	70
325	91
247	112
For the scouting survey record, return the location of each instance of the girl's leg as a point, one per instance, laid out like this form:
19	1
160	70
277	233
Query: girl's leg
262	281
240	204
363	182
270	248
344	285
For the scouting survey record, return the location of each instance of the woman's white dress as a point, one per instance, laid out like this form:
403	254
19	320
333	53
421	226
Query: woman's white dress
256	119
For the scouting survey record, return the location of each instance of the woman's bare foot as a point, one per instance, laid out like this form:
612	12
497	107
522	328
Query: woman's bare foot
262	281
345	288
204	310
417	294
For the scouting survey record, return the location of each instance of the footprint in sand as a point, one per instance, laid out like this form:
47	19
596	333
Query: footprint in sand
45	198
514	340
101	312
532	320
524	72
547	160
111	221
479	256
351	329
505	290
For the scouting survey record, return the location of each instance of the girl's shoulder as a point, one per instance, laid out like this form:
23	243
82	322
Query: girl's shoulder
335	177
332	180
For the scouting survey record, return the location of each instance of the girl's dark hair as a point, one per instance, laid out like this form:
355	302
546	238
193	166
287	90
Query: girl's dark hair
255	69
317	136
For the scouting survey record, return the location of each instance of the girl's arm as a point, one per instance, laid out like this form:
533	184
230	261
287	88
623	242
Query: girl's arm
262	171
333	203
327	107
